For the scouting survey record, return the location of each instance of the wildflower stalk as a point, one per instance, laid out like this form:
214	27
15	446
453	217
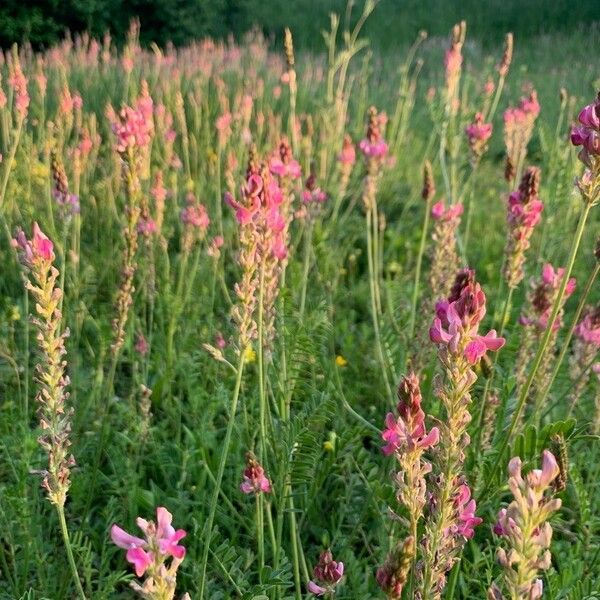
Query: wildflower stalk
37	256
585	211
427	194
306	266
543	393
221	470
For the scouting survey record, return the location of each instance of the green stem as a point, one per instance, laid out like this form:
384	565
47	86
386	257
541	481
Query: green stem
542	347
306	268
374	312
221	470
415	296
65	534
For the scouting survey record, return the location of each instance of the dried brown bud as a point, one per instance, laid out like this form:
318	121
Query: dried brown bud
428	183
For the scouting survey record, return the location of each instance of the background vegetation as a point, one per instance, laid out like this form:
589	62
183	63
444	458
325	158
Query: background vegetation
394	23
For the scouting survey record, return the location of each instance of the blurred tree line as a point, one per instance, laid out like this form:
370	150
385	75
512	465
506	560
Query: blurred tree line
395	22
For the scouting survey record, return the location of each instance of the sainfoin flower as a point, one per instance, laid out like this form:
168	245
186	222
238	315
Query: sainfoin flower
157	555
327	575
37	256
534	319
255	480
524	527
444	258
524	213
457	322
407	439
283	163
407	432
585	348
587	133
518	126
455	330
373	145
478	133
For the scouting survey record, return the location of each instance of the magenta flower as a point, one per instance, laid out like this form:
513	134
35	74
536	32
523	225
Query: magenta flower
588	329
348	154
439	212
457	323
478	132
195	214
465	506
160	541
282	163
40	247
255	480
132	130
407	431
327	574
312	192
373	145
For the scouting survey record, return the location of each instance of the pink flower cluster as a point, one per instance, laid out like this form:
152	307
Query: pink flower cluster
518	128
312	192
160	542
131	130
327	575
348	154
457	322
18	82
524	213
39	248
195	214
373	145
466	520
587	133
439	211
282	164
524	525
261	206
588	329
407	432
478	133
255	480
543	296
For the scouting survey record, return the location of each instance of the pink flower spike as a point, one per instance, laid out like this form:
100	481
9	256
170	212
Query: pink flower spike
255	480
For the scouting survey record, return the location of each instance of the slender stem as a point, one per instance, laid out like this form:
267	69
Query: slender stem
65	534
374	305
260	534
542	395
542	347
490	380
306	268
261	368
221	470
415	296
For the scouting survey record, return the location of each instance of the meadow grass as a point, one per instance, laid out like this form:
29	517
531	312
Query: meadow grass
170	387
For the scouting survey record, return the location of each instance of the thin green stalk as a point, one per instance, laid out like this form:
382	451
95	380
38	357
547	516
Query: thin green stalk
221	470
417	283
489	382
543	394
306	268
542	347
65	534
261	368
374	312
260	535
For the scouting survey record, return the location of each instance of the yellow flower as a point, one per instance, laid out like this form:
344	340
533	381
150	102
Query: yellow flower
329	444
340	361
249	354
14	313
